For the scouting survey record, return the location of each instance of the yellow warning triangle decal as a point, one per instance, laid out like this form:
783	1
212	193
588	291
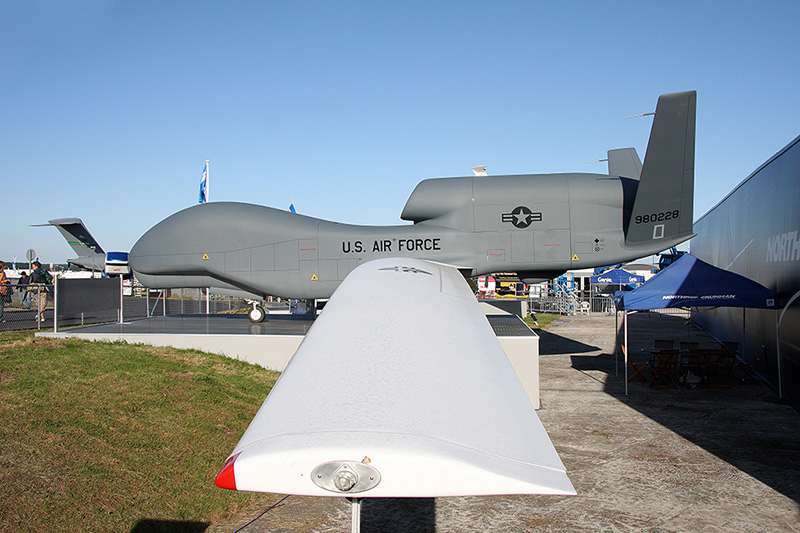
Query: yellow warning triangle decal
205	257
575	257
314	278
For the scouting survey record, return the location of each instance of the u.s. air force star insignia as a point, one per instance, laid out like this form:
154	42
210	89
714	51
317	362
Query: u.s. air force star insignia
522	217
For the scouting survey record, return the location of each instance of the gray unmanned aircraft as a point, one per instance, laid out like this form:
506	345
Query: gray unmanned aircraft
538	226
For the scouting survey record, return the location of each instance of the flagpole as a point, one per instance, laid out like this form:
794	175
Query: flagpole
208	188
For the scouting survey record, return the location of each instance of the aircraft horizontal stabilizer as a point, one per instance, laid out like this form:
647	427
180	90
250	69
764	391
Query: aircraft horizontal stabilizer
406	396
625	163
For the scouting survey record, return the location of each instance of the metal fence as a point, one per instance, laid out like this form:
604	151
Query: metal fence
76	302
163	302
584	303
27	305
573	303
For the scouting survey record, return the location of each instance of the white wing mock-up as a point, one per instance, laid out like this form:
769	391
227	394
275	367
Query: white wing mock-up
400	388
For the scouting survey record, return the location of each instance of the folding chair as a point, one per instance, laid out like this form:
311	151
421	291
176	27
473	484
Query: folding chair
636	369
662	369
749	370
683	363
693	364
719	369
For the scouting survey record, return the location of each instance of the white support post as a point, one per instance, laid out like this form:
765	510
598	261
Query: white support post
778	350
616	342
625	351
355	520
55	304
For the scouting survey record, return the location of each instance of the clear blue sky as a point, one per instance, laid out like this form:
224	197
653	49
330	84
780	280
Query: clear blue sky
109	109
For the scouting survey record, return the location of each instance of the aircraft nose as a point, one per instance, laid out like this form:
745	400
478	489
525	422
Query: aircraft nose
194	241
146	250
159	250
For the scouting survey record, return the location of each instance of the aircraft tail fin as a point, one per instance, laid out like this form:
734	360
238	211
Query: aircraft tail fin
663	208
90	255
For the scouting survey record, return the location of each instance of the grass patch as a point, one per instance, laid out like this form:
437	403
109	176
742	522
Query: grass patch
544	320
105	436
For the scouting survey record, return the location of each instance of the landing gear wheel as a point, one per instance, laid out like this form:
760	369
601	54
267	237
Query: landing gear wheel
257	314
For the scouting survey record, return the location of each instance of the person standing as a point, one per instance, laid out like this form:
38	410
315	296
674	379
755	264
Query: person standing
41	277
22	283
5	290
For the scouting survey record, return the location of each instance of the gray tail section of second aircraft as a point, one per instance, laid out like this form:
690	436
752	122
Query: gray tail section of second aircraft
663	210
90	255
77	235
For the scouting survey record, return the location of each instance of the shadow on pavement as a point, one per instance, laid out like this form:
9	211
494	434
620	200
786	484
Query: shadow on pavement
552	344
739	425
398	515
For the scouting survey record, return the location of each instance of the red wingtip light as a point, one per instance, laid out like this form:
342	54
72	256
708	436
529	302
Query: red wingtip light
226	478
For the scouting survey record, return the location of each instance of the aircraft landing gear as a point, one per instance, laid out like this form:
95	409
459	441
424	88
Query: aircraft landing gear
257	313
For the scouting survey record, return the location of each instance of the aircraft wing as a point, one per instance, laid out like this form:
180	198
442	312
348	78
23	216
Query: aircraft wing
399	389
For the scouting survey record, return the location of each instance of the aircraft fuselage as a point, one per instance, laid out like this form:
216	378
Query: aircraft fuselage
553	223
538	226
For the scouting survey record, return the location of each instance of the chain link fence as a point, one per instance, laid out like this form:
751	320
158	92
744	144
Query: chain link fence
584	303
26	306
573	303
76	302
164	302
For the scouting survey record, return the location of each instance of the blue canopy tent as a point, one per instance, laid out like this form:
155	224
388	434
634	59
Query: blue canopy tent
690	282
618	277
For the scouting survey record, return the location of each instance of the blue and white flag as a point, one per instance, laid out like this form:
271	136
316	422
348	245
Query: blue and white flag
291	207
204	185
